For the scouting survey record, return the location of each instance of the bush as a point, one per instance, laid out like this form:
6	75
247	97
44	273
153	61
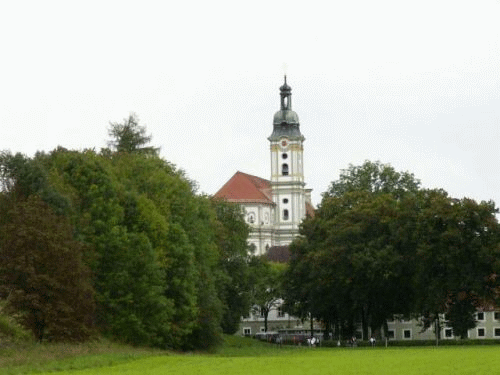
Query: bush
10	331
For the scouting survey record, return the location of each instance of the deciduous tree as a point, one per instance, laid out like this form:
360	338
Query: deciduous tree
42	273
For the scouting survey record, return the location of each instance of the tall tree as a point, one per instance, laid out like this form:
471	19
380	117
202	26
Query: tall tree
128	271
457	258
233	265
354	250
128	136
379	245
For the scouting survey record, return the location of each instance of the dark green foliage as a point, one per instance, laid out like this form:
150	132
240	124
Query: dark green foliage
456	257
42	275
233	277
154	247
122	214
460	314
374	178
379	245
132	306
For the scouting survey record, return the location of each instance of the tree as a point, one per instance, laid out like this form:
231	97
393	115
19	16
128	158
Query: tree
354	252
379	245
42	273
234	276
124	233
130	137
151	243
373	178
267	293
457	258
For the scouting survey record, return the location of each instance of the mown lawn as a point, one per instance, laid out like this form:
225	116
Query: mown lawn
246	357
401	361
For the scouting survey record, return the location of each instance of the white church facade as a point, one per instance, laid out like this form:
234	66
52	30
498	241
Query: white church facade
275	208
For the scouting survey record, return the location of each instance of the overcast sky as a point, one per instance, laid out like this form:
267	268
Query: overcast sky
412	83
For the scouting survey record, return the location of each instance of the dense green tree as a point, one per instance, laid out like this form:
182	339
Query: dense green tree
233	265
180	227
457	258
379	245
154	246
353	256
374	178
128	272
42	274
21	177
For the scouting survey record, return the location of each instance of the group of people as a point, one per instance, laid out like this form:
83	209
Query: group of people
353	343
313	341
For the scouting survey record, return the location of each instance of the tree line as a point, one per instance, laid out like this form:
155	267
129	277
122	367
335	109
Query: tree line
119	243
379	245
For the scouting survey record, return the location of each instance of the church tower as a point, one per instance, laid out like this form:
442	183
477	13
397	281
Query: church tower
275	208
287	171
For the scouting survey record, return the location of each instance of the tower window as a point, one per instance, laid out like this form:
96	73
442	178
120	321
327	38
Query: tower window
284	169
285	200
284	156
285	214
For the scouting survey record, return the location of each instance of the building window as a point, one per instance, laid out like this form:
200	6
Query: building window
285	214
497	332
284	156
480	316
285	201
497	315
284	169
262	329
448	333
281	313
481	332
262	313
407	333
390	334
247	331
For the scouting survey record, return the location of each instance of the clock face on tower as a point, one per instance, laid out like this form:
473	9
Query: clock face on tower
284	142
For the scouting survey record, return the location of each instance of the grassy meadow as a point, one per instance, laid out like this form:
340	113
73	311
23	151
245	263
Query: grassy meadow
249	357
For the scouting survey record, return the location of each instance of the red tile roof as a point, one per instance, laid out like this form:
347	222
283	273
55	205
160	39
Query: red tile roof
245	188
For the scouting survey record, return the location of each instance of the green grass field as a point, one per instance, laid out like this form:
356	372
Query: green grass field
247	357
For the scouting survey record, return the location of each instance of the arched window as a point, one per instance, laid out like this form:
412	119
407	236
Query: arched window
285	214
284	169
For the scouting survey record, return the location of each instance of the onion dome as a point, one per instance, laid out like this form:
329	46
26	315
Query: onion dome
285	122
